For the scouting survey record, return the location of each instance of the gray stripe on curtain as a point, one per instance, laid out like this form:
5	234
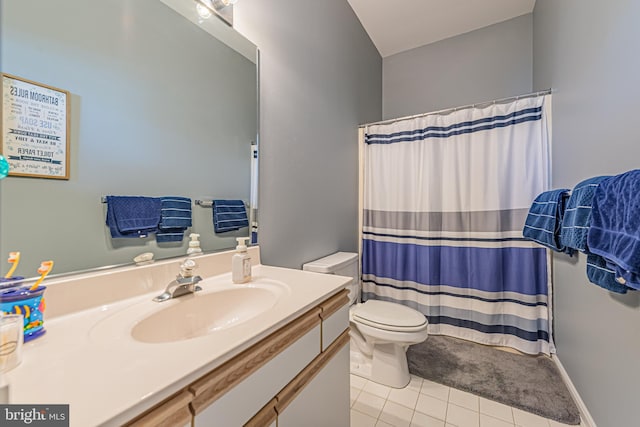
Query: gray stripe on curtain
474	221
475	316
457	291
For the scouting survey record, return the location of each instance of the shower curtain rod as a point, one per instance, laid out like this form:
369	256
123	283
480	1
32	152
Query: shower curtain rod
451	110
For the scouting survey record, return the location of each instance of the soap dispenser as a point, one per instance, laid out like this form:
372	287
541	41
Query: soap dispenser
194	245
241	262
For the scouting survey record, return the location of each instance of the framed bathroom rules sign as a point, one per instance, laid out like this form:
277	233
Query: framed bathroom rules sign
35	128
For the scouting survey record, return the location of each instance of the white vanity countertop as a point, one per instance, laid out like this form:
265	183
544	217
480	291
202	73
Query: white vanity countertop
91	362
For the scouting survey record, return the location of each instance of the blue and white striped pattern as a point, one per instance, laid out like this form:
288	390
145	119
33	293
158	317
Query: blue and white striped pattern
544	220
445	201
577	214
175	218
229	215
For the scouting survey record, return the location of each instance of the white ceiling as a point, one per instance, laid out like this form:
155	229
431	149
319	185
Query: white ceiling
396	26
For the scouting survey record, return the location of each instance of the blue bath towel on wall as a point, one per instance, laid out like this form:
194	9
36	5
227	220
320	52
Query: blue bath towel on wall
615	223
545	218
229	215
600	274
132	216
577	214
175	218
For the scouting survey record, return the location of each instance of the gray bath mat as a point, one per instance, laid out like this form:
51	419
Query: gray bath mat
530	383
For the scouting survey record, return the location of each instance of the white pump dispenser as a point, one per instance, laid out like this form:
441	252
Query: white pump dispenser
194	245
241	262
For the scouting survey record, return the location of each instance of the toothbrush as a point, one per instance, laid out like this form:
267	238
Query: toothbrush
14	258
45	268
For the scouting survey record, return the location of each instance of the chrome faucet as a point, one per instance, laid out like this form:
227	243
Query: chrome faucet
185	283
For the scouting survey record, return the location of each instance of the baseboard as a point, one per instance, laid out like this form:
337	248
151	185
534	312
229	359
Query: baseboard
585	417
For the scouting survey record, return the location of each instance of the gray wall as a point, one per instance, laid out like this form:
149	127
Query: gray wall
320	79
158	107
482	65
587	52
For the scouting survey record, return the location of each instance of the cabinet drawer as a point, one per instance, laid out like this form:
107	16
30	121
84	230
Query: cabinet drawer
172	412
335	317
233	393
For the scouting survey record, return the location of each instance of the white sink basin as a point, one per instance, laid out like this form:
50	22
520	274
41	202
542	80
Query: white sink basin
196	315
218	308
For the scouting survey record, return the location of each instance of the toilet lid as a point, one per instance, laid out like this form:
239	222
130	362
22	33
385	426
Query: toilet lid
389	315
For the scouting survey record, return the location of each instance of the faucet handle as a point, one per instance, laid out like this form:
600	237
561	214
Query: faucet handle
187	267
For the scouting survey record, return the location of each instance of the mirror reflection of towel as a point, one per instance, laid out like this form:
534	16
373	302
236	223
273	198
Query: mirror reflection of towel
229	215
175	218
132	216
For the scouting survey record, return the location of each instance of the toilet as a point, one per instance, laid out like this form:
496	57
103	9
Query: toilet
381	331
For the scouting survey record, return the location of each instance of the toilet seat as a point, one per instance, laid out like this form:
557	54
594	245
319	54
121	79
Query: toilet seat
389	316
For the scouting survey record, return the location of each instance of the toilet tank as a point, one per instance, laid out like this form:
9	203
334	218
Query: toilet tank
342	264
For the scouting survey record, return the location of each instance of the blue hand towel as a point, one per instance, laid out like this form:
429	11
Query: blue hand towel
229	215
545	218
170	235
577	215
175	212
175	218
615	221
132	216
600	274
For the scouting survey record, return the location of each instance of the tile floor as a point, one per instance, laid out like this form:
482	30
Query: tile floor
427	404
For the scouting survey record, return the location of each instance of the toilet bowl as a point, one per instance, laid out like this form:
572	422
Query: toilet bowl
381	331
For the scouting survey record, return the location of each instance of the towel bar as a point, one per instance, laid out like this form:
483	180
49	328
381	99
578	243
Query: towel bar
198	202
209	203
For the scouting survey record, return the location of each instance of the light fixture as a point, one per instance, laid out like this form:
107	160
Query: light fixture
222	8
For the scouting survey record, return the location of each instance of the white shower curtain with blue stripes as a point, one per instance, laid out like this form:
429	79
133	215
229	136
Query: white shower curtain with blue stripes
445	200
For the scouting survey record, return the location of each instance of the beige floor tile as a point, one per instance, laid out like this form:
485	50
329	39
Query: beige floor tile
357	382
464	399
369	404
462	417
487	421
396	415
436	390
432	406
404	396
423	420
377	389
527	419
496	410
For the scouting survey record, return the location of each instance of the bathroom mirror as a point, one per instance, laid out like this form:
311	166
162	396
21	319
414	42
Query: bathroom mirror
162	101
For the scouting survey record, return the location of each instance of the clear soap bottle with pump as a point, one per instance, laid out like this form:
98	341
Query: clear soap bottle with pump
241	262
194	245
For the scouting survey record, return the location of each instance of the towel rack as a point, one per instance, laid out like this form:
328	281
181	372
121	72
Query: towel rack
209	203
198	202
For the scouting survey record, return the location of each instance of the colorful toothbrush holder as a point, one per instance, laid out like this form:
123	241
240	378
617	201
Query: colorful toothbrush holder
29	303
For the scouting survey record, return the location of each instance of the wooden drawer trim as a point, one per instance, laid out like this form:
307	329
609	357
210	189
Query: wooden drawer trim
291	390
213	385
173	411
265	417
334	304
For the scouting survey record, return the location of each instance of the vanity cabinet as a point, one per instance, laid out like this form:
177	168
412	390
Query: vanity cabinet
298	375
174	411
319	397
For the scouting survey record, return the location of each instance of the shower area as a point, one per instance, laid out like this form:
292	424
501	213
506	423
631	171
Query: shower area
444	197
